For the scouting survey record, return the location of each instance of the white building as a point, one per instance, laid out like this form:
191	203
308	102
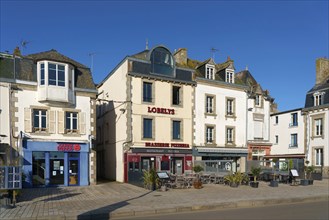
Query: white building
287	134
52	106
259	107
317	119
220	121
145	113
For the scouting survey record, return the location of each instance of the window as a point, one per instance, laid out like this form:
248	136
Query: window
318	157
293	142
229	135
39	120
258	101
276	139
276	119
176	135
147	128
147	92
318	127
71	122
176	95
229	77
42	74
318	98
209	72
210	104
56	74
230	107
209	135
294	119
162	62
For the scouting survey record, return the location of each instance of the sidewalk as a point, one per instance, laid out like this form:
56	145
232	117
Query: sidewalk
117	200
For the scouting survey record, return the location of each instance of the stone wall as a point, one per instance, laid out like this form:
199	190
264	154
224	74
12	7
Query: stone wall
322	70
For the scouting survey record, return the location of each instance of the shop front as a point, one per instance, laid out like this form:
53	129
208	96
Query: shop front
234	158
55	164
137	160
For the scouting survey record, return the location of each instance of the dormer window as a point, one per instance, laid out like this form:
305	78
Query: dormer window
56	74
162	62
258	101
229	76
210	72
318	98
55	81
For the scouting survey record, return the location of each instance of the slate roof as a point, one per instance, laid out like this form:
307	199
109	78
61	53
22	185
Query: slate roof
25	67
321	87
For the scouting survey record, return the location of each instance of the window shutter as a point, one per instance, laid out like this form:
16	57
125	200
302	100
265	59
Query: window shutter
60	122
82	123
27	120
52	122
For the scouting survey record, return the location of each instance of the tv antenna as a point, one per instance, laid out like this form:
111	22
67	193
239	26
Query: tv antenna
24	43
92	61
213	51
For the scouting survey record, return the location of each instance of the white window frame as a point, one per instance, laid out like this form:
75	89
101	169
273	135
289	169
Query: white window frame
229	135
318	154
229	76
230	107
258	100
210	134
318	98
72	118
293	141
318	125
39	128
210	72
210	104
293	119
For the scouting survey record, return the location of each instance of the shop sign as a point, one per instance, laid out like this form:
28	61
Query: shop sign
69	147
155	144
157	110
161	151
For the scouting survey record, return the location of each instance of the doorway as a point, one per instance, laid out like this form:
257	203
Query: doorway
73	169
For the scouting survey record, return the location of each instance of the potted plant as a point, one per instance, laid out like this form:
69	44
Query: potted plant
274	182
255	171
150	179
309	171
305	182
233	179
197	184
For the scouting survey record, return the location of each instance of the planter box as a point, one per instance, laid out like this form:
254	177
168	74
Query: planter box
274	183
316	176
254	184
304	182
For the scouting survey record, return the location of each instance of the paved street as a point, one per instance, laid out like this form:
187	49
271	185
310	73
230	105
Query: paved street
307	211
113	199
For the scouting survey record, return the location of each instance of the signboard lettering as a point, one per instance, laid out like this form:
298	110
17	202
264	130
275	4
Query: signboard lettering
155	144
157	110
69	147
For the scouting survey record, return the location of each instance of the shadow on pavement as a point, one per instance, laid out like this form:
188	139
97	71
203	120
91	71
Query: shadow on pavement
105	212
45	194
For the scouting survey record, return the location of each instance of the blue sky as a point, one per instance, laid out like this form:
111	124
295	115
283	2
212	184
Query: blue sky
279	41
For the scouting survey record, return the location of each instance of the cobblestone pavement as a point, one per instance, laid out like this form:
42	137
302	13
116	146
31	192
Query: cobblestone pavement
112	200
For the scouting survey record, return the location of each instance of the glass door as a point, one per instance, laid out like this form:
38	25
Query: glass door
38	169
73	171
56	162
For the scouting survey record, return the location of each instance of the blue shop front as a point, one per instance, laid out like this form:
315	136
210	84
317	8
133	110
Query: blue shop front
48	164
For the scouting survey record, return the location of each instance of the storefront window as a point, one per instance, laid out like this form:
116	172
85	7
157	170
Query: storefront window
165	165
39	168
56	160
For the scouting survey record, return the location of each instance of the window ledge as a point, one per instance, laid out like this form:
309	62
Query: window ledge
210	114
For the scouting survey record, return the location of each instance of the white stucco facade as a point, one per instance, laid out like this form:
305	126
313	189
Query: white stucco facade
283	131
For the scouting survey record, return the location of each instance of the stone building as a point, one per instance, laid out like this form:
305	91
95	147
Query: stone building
50	101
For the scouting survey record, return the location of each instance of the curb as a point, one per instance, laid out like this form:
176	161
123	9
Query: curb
218	206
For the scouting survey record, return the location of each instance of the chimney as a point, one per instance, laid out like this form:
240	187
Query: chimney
181	56
17	52
322	70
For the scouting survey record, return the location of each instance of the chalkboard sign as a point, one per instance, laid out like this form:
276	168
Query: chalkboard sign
294	173
163	175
